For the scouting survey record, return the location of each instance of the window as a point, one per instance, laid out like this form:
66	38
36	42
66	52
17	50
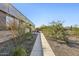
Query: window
10	21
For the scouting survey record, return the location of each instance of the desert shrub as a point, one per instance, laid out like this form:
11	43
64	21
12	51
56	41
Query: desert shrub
19	51
29	36
56	31
47	31
19	35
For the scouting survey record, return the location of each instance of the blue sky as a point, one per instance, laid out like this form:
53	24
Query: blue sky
44	13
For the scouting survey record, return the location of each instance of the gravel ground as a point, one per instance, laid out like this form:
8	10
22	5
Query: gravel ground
64	49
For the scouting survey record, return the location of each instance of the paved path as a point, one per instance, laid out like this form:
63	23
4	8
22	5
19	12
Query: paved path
37	49
41	47
47	51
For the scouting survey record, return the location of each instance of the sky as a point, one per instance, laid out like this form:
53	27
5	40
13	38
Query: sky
45	13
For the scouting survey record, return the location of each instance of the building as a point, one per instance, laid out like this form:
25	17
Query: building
9	14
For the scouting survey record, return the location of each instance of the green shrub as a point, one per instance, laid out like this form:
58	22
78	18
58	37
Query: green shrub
29	36
18	51
56	31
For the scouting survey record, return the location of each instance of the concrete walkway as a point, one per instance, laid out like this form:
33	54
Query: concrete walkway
37	49
41	47
47	51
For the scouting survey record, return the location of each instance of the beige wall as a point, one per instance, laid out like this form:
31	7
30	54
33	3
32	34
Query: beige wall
9	10
2	21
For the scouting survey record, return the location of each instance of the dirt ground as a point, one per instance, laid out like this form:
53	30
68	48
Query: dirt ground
64	49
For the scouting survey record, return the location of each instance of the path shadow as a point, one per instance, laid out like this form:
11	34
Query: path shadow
73	43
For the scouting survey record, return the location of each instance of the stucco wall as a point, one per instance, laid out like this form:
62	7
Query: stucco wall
2	21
